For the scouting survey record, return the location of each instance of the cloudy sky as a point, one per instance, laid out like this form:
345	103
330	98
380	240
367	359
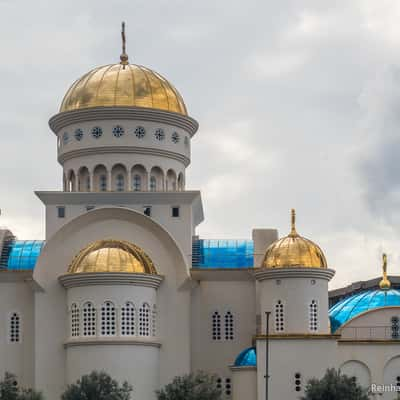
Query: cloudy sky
298	104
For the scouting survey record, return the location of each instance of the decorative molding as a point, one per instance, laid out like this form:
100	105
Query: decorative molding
68	155
296	336
262	274
113	278
64	119
110	342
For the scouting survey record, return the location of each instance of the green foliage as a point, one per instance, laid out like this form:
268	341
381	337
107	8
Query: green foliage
334	386
9	390
198	386
97	386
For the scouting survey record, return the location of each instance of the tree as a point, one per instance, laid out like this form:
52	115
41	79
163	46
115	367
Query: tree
97	386
198	386
9	390
334	386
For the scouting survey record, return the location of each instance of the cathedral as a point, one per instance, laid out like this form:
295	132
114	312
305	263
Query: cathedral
122	282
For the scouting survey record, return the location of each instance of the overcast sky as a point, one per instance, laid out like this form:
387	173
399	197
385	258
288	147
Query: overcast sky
298	104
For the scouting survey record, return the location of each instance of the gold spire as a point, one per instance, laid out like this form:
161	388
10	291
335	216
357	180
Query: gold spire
124	56
293	232
384	284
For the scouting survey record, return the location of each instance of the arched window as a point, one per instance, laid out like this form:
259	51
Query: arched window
137	183
108	319
144	320
103	183
74	320
153	183
120	183
228	326
313	316
228	387
88	183
279	316
89	319
15	328
395	326
297	382
216	326
128	319
154	321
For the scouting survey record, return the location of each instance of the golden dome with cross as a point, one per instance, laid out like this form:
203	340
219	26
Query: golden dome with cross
294	250
123	85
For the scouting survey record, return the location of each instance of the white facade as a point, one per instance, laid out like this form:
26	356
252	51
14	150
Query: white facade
147	329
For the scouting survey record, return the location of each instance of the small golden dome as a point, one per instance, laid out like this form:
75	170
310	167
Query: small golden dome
294	251
112	256
120	85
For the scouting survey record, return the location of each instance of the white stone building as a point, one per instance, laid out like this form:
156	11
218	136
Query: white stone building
123	284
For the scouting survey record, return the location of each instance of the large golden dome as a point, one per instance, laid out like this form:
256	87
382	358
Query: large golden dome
123	85
112	256
294	250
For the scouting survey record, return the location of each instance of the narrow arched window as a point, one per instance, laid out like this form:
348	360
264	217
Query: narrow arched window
89	319
88	183
153	183
15	328
395	327
75	320
154	321
313	316
144	320
120	183
128	319
137	183
103	183
228	326
216	326
279	316
108	319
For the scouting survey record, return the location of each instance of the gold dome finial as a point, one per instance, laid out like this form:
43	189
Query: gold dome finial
293	232
384	284
124	56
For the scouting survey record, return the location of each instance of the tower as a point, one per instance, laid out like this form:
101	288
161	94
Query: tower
112	274
123	139
293	286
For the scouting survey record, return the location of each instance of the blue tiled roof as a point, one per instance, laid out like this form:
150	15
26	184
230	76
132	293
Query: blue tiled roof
23	254
219	253
359	303
247	358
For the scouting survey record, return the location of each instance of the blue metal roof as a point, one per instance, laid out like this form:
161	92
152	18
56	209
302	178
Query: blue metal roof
219	253
359	303
247	358
23	254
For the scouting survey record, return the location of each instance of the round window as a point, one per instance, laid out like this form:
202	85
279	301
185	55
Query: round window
175	137
140	132
78	134
159	134
118	131
97	132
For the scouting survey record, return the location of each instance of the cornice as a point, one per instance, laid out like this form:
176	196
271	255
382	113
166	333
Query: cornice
64	119
113	278
262	274
112	341
68	155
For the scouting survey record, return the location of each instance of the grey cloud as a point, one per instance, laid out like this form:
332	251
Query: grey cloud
277	82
